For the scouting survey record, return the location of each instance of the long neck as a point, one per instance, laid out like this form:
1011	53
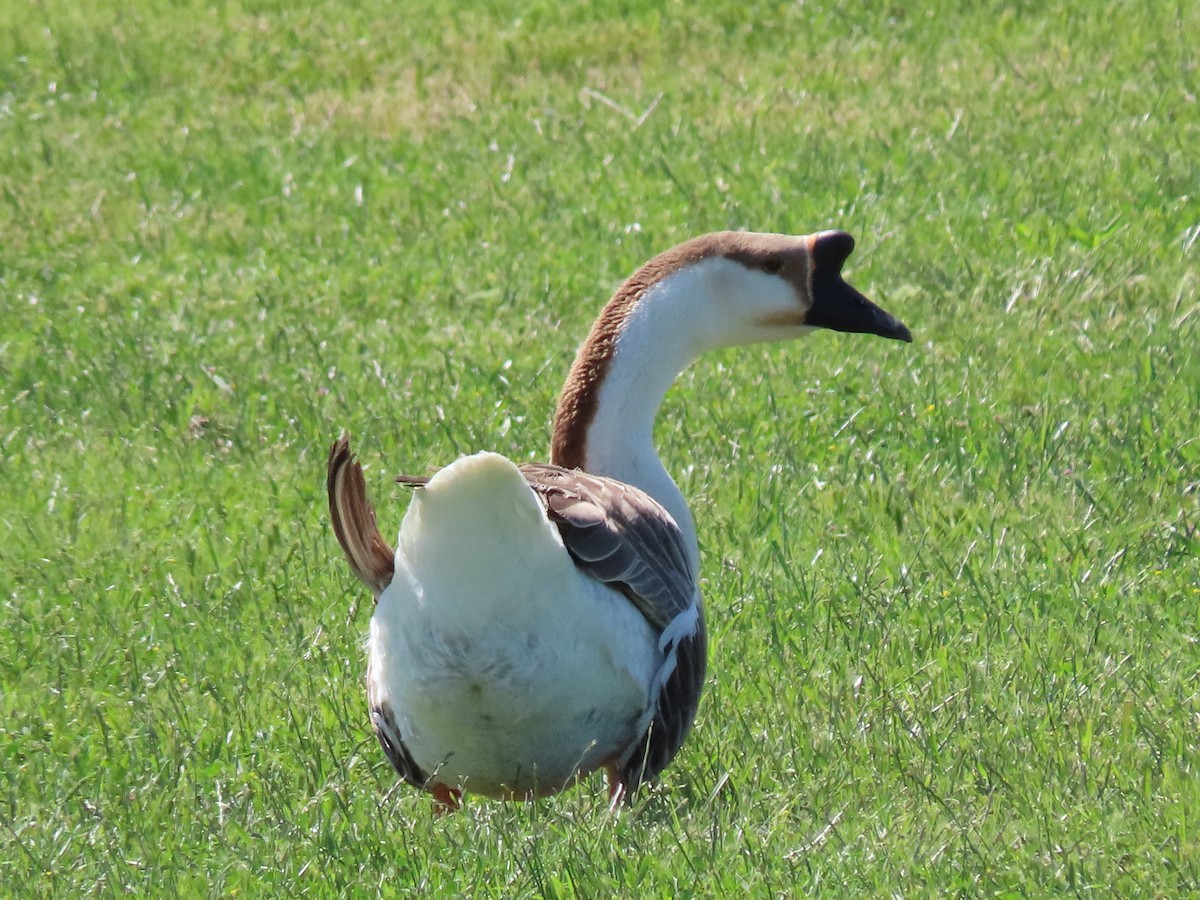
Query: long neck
605	418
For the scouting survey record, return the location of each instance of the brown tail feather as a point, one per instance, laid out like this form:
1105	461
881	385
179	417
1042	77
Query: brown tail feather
369	555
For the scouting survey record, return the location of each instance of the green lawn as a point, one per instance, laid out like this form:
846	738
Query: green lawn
952	586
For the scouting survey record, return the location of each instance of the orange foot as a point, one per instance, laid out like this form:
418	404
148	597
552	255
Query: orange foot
445	799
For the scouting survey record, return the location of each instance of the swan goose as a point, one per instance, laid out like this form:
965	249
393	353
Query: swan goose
539	622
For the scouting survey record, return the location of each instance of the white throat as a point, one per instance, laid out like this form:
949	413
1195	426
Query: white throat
648	356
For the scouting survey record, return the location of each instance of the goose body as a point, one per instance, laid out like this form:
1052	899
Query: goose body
538	622
471	682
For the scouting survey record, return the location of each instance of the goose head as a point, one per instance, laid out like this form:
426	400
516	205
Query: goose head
731	288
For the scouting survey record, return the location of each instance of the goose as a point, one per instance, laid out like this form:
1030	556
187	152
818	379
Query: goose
538	622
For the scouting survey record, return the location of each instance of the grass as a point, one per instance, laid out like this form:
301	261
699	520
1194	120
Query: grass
952	587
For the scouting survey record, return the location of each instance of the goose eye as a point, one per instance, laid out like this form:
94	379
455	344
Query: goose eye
772	265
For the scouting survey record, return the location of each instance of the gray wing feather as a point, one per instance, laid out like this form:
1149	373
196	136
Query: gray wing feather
619	535
394	747
675	710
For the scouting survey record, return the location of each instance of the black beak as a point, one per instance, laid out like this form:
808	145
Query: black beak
835	304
